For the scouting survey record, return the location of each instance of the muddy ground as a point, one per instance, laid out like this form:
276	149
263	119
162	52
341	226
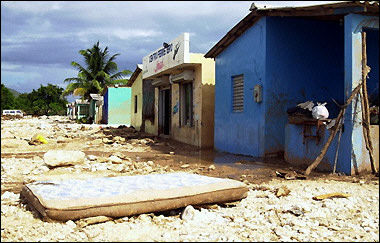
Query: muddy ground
265	215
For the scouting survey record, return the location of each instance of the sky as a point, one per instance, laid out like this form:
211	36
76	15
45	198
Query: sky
40	39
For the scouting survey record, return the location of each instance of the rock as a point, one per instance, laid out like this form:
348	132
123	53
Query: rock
212	167
92	220
118	139
71	224
63	157
107	141
6	134
91	157
295	210
188	213
185	166
116	160
146	141
282	191
97	141
13	143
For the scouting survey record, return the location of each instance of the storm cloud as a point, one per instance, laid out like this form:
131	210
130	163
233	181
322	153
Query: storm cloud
39	40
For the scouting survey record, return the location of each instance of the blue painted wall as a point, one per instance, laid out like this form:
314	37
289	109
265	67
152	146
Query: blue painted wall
352	140
305	61
241	133
119	105
105	108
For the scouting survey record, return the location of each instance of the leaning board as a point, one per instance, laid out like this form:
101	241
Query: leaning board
128	195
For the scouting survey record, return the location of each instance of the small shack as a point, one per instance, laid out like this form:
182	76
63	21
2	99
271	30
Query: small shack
117	105
276	58
96	108
82	109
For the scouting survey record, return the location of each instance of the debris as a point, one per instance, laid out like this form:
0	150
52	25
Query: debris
92	220
320	111
331	195
212	167
282	191
290	176
185	166
171	153
331	124
332	135
308	105
55	158
188	213
295	210
37	139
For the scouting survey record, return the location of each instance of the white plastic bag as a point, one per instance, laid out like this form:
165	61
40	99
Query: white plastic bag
320	111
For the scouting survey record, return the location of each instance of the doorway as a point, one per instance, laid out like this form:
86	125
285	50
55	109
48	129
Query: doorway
164	114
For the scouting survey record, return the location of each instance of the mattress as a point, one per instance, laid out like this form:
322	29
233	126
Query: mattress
128	195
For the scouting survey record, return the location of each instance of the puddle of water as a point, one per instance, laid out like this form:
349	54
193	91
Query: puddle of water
208	157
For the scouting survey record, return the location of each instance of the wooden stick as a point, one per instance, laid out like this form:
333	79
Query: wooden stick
365	103
332	135
337	148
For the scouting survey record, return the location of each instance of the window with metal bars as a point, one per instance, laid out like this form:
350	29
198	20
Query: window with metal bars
238	93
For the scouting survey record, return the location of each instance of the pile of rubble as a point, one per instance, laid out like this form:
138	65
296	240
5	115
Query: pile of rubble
278	210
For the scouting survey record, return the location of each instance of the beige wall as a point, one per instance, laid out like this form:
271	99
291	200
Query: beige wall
201	134
136	118
190	135
365	166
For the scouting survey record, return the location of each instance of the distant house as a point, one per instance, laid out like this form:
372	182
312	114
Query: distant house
82	109
276	58
96	108
117	105
136	84
70	110
182	104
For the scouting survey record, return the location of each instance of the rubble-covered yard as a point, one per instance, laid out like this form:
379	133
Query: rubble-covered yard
276	209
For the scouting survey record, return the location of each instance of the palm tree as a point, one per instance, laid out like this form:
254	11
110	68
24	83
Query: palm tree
100	71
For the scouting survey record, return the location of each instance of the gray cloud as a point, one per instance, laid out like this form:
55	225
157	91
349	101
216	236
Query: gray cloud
40	39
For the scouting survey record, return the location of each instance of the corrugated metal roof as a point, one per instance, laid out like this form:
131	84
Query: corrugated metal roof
333	9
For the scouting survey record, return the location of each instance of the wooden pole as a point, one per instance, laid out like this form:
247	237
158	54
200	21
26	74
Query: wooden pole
365	103
332	135
337	148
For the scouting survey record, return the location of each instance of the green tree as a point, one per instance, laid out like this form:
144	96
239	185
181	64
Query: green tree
100	71
7	98
47	100
22	102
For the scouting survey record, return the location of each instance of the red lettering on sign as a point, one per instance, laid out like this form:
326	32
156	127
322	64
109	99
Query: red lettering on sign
159	65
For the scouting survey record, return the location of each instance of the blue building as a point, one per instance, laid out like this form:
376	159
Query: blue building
117	105
274	59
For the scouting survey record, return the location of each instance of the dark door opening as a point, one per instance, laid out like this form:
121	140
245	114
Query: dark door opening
164	119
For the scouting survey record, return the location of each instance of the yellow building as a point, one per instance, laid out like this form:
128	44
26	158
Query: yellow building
135	82
183	93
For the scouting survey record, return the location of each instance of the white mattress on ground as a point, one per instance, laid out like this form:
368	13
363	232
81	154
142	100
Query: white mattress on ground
127	195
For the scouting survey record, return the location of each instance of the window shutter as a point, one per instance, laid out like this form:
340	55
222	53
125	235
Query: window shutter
238	93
